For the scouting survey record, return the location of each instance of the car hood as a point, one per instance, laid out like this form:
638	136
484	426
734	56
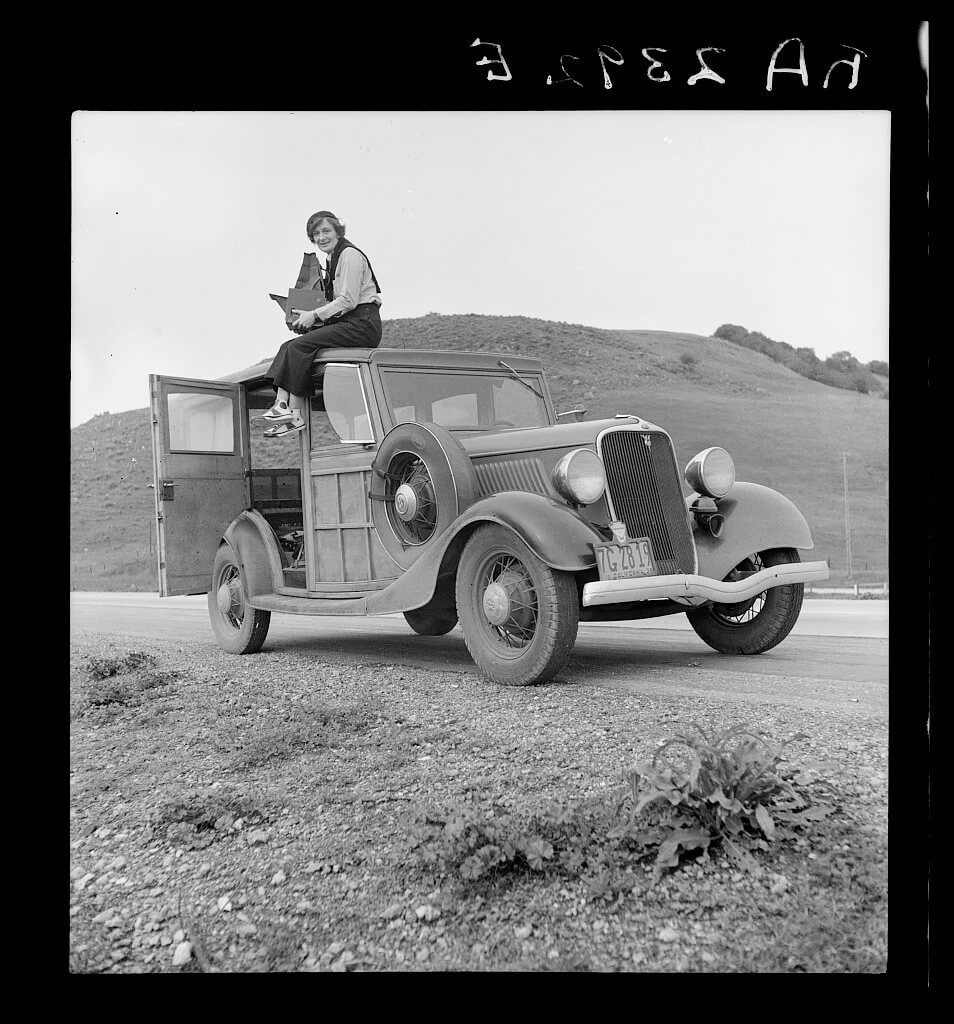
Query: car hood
560	435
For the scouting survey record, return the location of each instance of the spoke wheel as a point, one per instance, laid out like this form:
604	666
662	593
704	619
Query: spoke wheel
421	481
759	623
239	628
519	617
230	599
411	499
509	604
742	611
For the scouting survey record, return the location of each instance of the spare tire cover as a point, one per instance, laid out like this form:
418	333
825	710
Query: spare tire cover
421	481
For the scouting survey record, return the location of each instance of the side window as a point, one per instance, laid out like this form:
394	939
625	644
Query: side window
200	423
345	403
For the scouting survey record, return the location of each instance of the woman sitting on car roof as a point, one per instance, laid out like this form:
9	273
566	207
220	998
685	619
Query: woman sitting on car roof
349	319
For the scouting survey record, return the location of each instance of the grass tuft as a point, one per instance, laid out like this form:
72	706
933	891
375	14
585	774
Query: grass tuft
196	818
292	735
122	682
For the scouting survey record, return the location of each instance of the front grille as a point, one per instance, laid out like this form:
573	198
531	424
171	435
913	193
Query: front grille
643	484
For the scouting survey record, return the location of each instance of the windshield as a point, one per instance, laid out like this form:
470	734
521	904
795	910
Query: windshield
464	401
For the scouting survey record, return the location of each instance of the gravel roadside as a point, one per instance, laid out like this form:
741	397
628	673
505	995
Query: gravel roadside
254	815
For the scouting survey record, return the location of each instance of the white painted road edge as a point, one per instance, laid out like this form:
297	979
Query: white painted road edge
819	617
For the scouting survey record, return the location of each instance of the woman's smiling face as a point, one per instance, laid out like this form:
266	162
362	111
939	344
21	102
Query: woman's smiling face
325	236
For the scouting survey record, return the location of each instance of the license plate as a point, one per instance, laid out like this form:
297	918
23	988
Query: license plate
623	561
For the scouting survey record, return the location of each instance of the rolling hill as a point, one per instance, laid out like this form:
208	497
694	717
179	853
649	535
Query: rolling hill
783	431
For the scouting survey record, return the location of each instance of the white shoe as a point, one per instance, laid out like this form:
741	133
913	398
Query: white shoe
286	428
279	413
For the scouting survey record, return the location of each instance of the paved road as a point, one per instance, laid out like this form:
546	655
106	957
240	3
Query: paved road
838	652
819	617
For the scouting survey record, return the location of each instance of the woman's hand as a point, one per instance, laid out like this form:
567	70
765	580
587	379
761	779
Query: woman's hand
305	321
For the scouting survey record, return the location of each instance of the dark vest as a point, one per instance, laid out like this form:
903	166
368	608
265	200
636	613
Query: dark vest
333	266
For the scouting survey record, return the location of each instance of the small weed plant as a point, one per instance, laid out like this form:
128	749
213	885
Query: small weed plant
107	667
123	681
700	790
727	787
477	842
196	818
308	731
587	840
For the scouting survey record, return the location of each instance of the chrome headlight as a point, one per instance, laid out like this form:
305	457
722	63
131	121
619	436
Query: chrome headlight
579	476
711	472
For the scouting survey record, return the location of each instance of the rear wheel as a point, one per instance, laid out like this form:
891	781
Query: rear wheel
758	624
519	617
239	628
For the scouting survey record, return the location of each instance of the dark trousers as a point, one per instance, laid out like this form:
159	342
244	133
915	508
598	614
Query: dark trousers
291	368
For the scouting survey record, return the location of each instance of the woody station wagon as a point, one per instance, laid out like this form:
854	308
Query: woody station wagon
451	492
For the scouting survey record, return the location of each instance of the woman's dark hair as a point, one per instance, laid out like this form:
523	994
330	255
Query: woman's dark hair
321	215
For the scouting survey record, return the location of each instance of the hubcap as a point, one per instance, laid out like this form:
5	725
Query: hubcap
509	603
496	604
405	502
229	599
413	509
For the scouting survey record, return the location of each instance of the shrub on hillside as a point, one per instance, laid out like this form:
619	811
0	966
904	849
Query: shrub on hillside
842	362
858	379
839	370
731	332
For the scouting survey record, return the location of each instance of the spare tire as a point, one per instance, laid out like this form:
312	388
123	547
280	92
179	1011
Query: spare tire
421	481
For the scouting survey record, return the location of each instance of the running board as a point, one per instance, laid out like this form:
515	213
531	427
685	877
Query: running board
310	605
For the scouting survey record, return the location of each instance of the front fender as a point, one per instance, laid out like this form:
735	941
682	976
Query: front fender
553	532
756	519
253	544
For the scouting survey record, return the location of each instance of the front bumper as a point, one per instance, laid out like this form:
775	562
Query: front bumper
693	590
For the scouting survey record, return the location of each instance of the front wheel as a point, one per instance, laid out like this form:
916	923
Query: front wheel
238	628
758	624
519	617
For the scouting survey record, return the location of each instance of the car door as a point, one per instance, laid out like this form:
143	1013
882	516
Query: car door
201	475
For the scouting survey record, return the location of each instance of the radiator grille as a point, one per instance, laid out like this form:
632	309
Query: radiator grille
643	483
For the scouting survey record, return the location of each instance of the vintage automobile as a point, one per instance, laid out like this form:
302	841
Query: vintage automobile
452	493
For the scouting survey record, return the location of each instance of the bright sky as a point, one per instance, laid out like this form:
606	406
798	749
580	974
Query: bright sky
182	223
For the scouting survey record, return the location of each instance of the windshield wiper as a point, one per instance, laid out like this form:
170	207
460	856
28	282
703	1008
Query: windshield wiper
525	383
